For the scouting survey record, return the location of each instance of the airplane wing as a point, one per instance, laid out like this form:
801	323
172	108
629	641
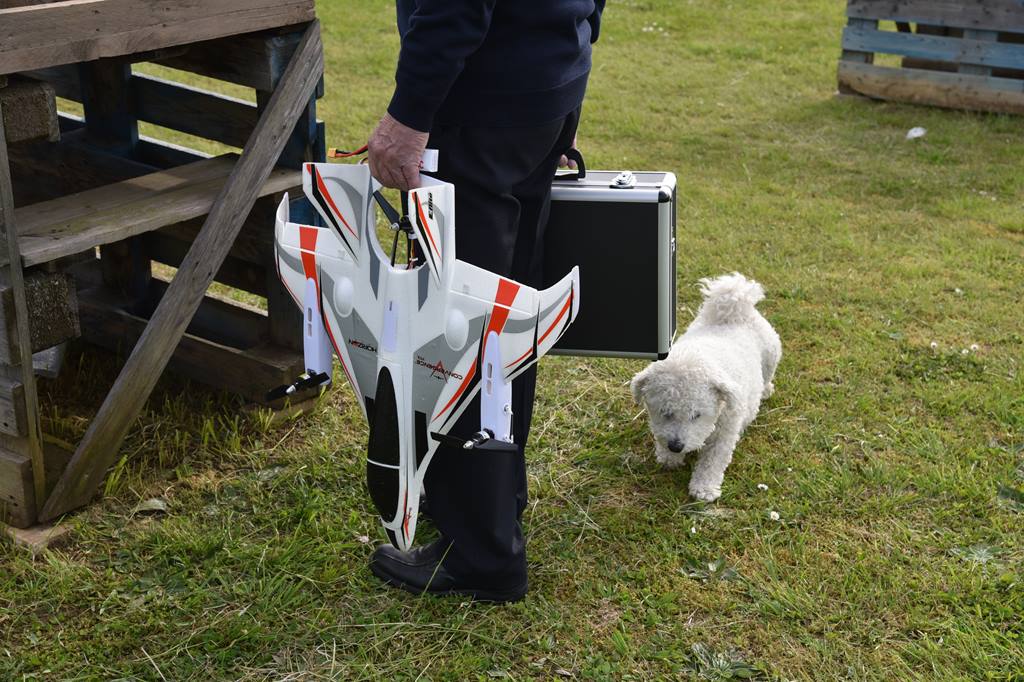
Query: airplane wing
417	341
453	366
332	266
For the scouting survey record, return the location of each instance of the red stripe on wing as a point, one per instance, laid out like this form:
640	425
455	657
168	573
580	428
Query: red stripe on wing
561	314
426	226
327	195
506	294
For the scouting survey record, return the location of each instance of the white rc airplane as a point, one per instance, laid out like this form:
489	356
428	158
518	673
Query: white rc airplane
417	341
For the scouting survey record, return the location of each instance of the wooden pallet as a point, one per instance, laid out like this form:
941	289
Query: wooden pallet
102	187
955	54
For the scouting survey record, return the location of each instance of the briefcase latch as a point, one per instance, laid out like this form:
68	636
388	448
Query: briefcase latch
624	180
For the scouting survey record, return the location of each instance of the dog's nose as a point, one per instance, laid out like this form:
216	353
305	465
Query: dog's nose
675	445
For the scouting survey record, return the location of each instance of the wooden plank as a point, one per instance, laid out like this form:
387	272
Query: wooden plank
255	60
233	272
99	448
73	224
7	4
17	497
52	314
952	90
12	274
39	218
193	110
83	30
981	37
30	111
863	56
995	15
134	218
936	48
45	170
237	362
12	407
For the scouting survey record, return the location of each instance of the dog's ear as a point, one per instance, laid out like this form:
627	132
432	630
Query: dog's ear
727	390
639	384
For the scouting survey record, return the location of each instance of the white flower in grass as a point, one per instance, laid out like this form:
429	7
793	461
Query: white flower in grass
774	516
974	348
693	530
762	487
933	345
964	351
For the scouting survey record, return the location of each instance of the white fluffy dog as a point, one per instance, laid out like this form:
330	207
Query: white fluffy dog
709	388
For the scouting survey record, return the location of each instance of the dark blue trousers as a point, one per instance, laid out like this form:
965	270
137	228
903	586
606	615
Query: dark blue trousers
502	179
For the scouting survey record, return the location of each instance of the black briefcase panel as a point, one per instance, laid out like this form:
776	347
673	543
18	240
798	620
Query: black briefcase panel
619	227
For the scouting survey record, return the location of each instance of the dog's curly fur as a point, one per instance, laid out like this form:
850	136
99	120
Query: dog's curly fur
710	387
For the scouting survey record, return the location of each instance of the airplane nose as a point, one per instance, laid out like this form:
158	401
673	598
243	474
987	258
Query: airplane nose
675	445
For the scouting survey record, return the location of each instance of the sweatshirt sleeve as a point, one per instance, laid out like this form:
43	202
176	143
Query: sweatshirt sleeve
441	35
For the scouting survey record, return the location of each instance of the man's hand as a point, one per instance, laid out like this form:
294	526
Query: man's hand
395	151
565	161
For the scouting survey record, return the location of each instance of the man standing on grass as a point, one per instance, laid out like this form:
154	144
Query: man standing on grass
496	86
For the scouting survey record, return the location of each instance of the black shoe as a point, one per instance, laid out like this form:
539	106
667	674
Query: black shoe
420	570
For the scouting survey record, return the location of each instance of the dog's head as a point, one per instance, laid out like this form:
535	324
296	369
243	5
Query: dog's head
684	401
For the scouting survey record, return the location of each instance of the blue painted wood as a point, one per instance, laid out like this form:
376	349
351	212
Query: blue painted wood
106	100
938	48
193	111
994	15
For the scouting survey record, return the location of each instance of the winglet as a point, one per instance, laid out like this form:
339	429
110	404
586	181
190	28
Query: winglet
431	210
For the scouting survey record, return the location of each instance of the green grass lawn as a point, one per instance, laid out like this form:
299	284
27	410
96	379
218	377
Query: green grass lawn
894	457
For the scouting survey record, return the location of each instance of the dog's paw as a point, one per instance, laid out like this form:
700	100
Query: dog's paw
705	494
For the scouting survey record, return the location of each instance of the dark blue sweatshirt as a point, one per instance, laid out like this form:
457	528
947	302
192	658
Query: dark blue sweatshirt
492	62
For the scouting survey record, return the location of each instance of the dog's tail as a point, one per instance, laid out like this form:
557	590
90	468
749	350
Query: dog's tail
729	299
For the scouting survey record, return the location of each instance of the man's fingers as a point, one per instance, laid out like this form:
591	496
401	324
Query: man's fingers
411	177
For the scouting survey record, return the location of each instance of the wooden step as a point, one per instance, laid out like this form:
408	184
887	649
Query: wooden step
62	227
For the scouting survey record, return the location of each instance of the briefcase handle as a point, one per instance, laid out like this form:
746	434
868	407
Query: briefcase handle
574	154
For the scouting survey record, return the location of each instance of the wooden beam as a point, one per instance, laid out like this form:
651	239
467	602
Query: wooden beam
82	30
225	345
12	407
935	88
985	52
995	15
70	225
13	274
193	110
255	60
99	448
17	496
48	170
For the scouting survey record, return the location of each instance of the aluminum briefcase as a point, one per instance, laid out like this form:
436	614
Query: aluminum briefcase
619	227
